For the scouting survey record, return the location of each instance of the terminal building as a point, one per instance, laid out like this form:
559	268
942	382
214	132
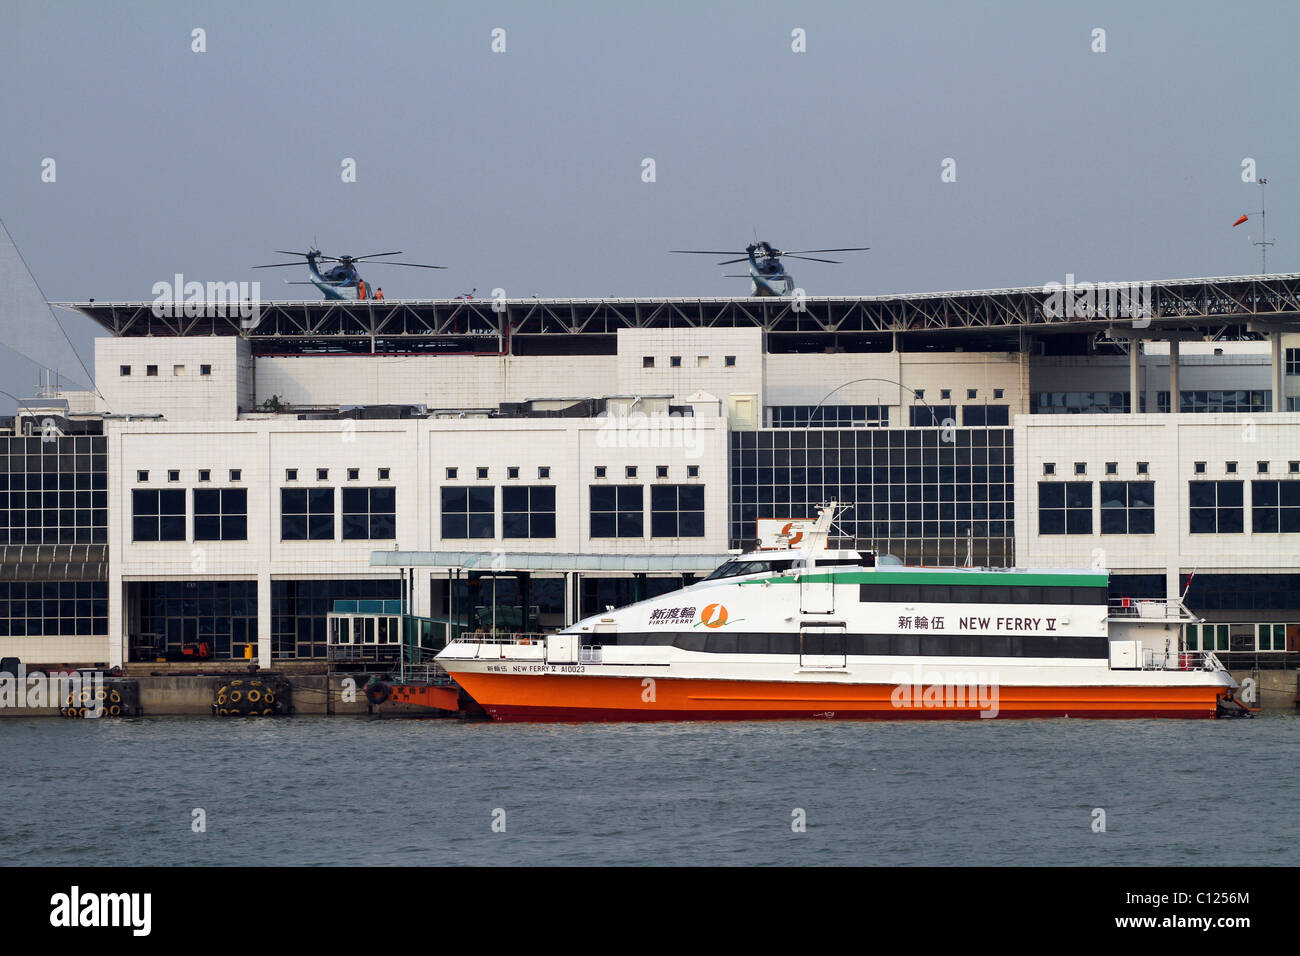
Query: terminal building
521	463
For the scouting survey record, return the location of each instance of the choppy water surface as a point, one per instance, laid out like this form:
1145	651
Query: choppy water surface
358	791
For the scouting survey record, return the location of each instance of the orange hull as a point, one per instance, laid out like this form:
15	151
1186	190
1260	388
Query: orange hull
576	698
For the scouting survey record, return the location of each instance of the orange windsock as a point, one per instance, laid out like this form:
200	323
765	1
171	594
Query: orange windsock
1240	221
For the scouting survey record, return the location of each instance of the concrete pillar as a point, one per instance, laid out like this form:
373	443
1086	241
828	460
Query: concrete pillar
1275	372
1134	393
570	597
264	619
1174	402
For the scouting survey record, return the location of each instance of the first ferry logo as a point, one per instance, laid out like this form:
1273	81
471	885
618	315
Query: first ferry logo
714	615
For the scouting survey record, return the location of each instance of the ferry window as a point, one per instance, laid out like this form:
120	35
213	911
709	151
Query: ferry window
723	643
1215	507
306	514
617	511
221	514
468	512
528	511
158	515
965	594
677	511
905	593
1023	594
369	513
734	569
997	594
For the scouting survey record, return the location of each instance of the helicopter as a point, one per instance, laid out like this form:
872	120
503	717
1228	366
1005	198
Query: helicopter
766	273
341	281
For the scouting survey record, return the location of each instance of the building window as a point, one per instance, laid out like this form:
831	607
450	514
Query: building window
173	475
451	474
236	474
322	474
178	370
999	392
1075	403
205	474
151	370
729	361
1215	507
205	369
828	416
291	474
1261	468
692	471
970	393
1049	468
49	608
677	511
1112	468
220	514
617	511
1208	637
931	415
528	511
919	393
1203	401
369	514
142	476
945	393
124	369
544	471
647	361
1293	467
469	512
1080	467
354	474
512	471
1065	507
1293	361
481	473
1275	507
1144	467
307	514
1199	468
600	471
1128	507
1230	467
661	471
384	474
157	515
675	361
630	471
977	415
1270	637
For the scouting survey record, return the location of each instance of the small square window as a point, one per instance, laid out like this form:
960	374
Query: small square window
1199	467
729	361
235	474
1230	467
1112	468
945	393
919	393
999	392
173	475
124	369
970	393
1080	468
205	369
142	476
647	361
151	370
178	370
384	473
701	361
631	471
291	474
512	471
1261	467
661	471
322	474
544	471
354	474
451	474
1294	467
205	474
1049	467
600	471
482	472
675	361
1144	467
692	471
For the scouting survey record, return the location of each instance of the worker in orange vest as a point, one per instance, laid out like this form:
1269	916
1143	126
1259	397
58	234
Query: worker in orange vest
379	293
361	288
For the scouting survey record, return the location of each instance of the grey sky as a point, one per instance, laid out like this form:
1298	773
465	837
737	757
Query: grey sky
523	169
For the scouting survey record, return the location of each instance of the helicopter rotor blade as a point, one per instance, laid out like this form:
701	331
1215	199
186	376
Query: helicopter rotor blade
791	255
280	265
799	252
286	252
709	252
372	255
727	262
413	265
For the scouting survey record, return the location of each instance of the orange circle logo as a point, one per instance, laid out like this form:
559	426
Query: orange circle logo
714	615
797	537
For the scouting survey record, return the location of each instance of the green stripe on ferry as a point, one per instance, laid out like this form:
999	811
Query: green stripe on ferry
1008	578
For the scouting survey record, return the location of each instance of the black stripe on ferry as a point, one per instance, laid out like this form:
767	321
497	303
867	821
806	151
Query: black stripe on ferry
990	594
869	645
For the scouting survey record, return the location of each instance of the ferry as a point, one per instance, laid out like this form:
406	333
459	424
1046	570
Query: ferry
818	633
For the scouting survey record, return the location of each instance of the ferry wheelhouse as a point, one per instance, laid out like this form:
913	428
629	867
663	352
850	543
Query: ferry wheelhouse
811	632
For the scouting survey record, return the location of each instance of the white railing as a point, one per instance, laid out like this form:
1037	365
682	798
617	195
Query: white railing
1150	609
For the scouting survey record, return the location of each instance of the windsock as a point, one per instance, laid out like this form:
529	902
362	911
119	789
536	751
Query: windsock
1240	221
